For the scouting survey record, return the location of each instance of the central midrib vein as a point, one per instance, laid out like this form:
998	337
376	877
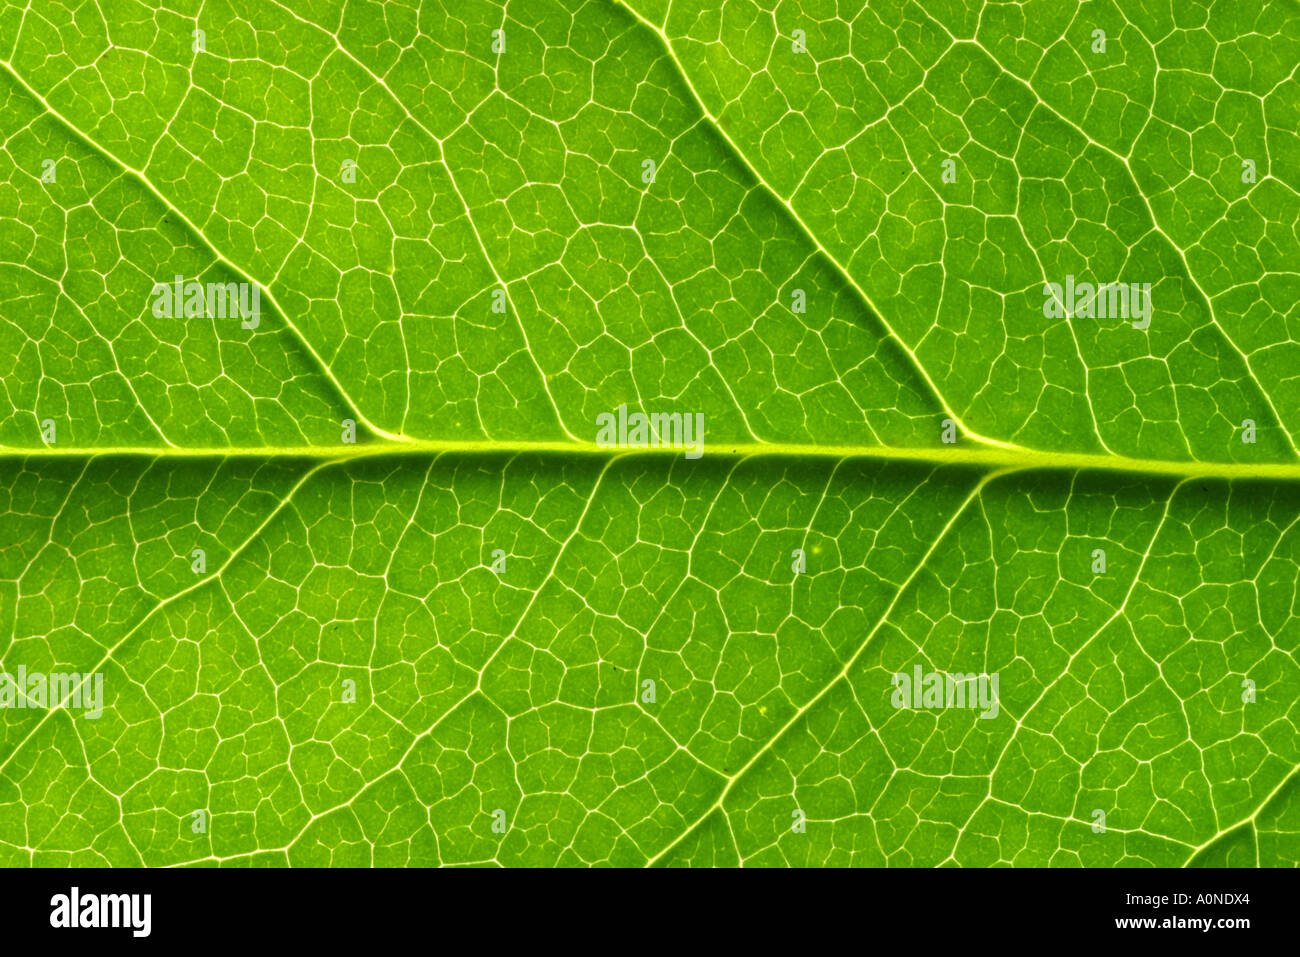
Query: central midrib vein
957	455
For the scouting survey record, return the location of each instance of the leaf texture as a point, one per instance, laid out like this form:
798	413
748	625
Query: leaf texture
476	636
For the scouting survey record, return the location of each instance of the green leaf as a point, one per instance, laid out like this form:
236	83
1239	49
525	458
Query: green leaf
475	635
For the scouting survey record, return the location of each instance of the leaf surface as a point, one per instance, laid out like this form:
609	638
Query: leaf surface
344	678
